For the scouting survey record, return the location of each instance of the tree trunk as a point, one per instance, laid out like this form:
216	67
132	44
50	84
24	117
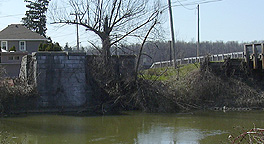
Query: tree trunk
106	49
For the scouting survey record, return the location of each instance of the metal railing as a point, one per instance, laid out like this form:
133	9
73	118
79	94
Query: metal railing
217	57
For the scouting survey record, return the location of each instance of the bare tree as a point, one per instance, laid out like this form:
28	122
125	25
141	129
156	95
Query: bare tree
111	20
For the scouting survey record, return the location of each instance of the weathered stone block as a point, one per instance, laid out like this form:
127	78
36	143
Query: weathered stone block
80	77
42	66
65	57
73	66
82	61
41	61
38	57
42	57
59	66
71	61
75	70
76	54
76	57
73	57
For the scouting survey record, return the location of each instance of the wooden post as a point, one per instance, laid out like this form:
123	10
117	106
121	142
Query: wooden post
170	53
255	56
246	54
198	32
262	55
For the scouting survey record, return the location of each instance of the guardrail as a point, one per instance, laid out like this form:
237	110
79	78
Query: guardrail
217	57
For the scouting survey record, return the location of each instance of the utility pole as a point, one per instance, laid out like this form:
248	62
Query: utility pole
116	46
77	33
170	52
77	29
88	13
172	36
198	31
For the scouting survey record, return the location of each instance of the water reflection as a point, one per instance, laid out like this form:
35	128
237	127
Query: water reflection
200	127
156	134
171	135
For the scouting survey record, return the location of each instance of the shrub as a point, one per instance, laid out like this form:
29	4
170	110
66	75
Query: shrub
15	93
41	48
50	47
13	48
57	47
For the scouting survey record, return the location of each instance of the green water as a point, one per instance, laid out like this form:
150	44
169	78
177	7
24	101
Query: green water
140	128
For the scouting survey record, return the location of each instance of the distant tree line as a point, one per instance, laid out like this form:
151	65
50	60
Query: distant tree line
160	51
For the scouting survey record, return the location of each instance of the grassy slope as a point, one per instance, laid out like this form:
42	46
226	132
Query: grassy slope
167	73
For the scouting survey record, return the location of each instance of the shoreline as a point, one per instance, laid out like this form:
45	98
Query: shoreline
92	114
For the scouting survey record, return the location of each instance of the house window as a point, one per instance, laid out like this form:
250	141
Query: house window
4	45
10	58
16	57
22	45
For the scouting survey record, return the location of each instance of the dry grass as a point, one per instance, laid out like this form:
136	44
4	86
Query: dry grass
204	89
14	92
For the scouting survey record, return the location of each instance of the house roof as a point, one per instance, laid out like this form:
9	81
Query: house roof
19	32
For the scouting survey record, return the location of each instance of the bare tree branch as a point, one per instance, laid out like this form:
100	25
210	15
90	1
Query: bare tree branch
108	18
96	47
149	20
141	48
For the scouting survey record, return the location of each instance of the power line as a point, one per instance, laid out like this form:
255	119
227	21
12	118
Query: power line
10	15
179	3
62	35
210	1
196	2
185	6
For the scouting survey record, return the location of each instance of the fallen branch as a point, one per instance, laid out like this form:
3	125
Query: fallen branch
255	135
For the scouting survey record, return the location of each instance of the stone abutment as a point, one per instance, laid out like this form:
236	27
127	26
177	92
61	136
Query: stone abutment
62	78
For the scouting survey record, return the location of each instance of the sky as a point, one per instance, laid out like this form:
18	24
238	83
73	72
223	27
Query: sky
226	20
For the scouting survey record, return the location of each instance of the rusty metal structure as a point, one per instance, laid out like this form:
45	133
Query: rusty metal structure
254	55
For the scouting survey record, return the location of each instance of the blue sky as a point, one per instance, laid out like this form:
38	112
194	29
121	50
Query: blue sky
227	20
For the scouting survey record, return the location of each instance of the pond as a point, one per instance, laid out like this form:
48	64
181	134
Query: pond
133	127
